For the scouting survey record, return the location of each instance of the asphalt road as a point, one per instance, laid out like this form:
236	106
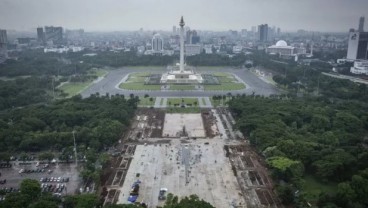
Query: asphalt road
110	84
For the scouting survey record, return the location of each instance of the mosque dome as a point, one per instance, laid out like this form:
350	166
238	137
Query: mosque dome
281	43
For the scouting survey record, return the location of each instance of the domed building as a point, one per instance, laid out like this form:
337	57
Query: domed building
282	49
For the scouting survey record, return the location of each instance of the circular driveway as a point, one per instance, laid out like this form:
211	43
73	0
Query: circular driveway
109	84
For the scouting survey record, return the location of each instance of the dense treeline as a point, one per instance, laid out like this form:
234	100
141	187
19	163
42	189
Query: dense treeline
308	79
25	91
320	137
98	122
216	60
30	196
36	62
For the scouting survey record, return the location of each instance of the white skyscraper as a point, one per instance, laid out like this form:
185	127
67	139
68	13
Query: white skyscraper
157	43
3	47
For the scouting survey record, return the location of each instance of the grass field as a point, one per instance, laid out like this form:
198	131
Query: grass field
209	68
182	87
227	82
313	188
147	67
136	82
183	110
145	102
204	101
216	103
225	86
74	88
177	101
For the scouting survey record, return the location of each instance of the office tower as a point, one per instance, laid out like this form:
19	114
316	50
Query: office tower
54	34
157	43
195	37
174	29
361	24
40	35
3	47
358	45
189	35
263	32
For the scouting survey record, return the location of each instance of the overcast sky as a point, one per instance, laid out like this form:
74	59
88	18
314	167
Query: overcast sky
118	15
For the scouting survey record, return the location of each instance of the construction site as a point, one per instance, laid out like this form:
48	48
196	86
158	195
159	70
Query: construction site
186	154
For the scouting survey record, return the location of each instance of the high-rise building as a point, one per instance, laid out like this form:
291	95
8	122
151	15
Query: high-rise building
192	37
3	46
157	43
358	45
40	35
54	34
361	24
263	32
174	29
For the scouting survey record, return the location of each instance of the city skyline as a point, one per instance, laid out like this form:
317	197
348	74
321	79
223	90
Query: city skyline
113	15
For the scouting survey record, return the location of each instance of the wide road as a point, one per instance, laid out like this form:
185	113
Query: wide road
110	84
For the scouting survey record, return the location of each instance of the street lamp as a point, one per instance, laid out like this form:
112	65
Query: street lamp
75	149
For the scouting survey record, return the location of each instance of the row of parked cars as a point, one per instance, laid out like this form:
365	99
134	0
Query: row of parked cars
5	165
9	190
55	179
38	170
54	188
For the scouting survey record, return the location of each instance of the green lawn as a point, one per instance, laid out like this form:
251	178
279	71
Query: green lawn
209	68
147	67
225	86
136	82
216	103
174	101
182	87
74	88
98	72
221	74
313	188
183	110
204	101
145	102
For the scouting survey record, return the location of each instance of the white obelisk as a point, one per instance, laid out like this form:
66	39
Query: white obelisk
182	44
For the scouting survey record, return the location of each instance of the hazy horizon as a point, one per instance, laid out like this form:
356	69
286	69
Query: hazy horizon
216	15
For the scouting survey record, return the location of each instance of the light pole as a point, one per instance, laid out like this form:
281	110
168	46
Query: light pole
75	150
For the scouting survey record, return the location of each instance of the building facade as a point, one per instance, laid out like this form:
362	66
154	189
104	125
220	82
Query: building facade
263	32
40	35
360	67
54	34
358	46
157	43
361	24
3	46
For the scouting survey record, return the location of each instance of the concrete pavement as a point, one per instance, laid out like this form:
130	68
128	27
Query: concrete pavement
110	84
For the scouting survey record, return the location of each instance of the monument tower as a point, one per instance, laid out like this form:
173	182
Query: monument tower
181	24
181	74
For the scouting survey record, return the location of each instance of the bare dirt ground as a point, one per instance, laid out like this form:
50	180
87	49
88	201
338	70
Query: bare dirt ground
221	168
252	176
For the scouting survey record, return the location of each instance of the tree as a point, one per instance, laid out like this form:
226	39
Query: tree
30	187
46	156
187	202
43	204
286	193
